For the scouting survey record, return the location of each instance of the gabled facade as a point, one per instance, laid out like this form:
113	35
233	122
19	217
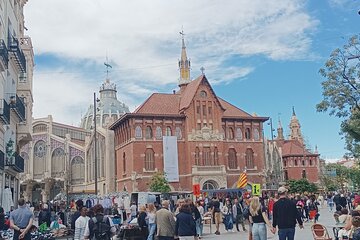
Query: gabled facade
216	141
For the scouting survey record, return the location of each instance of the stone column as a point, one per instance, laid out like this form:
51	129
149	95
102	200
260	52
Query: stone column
49	183
28	191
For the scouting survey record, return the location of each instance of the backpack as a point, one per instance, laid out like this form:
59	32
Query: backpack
101	228
246	212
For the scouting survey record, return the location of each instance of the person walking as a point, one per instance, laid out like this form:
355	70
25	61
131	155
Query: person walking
185	226
151	214
141	220
99	227
21	221
285	216
165	222
258	217
238	215
228	215
216	214
80	224
200	224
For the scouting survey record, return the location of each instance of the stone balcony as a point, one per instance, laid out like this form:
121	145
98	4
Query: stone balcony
208	170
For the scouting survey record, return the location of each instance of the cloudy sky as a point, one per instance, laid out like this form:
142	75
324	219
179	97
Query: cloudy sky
263	56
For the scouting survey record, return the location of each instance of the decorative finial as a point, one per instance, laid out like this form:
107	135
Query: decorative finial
202	69
293	110
182	37
107	67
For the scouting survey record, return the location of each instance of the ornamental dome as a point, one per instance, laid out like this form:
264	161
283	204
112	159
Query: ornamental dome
109	109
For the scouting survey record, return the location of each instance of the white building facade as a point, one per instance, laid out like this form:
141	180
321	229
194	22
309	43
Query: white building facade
16	100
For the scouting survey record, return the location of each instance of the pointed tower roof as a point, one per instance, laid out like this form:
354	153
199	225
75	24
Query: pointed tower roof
295	131
280	131
184	64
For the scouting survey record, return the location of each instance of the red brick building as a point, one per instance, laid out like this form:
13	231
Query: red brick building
216	140
297	161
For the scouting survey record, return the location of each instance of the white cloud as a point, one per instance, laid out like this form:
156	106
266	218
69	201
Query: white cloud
141	38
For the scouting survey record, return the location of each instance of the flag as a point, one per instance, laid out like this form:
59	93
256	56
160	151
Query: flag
242	182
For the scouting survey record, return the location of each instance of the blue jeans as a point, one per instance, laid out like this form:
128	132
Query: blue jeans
228	222
152	227
259	231
287	234
199	227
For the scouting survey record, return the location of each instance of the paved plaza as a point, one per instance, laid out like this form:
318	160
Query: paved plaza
326	219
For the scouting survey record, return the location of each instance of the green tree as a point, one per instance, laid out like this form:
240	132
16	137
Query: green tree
301	186
341	91
159	183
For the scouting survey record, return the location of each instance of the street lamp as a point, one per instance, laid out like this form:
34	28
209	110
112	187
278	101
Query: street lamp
95	142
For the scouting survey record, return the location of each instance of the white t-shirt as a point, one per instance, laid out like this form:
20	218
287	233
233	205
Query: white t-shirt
80	225
133	210
151	216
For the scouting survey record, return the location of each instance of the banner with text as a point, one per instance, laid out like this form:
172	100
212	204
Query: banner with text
171	159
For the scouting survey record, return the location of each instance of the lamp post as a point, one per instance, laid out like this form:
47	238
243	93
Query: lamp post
95	143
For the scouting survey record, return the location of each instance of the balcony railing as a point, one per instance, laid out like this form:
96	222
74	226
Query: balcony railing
17	53
18	106
4	112
2	160
4	55
16	162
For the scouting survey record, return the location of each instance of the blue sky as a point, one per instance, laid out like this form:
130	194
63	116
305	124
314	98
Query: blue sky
263	56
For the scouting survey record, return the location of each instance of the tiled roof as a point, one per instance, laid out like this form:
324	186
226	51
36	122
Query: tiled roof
189	92
160	103
294	147
231	110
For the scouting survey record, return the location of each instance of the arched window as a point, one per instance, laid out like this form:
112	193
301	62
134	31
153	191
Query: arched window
310	161
210	185
256	134
124	162
178	133
239	135
197	156
284	163
206	156
57	162
232	159
249	157
158	134
303	173
77	170
286	176
231	133
216	156
149	160
168	131
138	132
296	162
248	133
148	133
39	158
303	162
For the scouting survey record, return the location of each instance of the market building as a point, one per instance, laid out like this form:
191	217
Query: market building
60	158
193	135
16	99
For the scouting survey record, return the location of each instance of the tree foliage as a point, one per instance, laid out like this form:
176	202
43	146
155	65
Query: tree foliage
301	186
159	183
341	90
343	177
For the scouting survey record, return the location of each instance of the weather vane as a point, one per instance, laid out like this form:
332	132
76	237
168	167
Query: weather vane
107	67
202	69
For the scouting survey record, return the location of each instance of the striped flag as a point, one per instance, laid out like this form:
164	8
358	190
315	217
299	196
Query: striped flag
242	182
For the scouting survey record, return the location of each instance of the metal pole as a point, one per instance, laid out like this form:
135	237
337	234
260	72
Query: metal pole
95	147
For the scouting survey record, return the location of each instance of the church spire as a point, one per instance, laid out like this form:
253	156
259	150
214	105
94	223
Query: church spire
184	64
295	131
280	131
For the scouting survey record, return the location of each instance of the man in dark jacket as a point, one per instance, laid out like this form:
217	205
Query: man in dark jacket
285	216
185	223
45	215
